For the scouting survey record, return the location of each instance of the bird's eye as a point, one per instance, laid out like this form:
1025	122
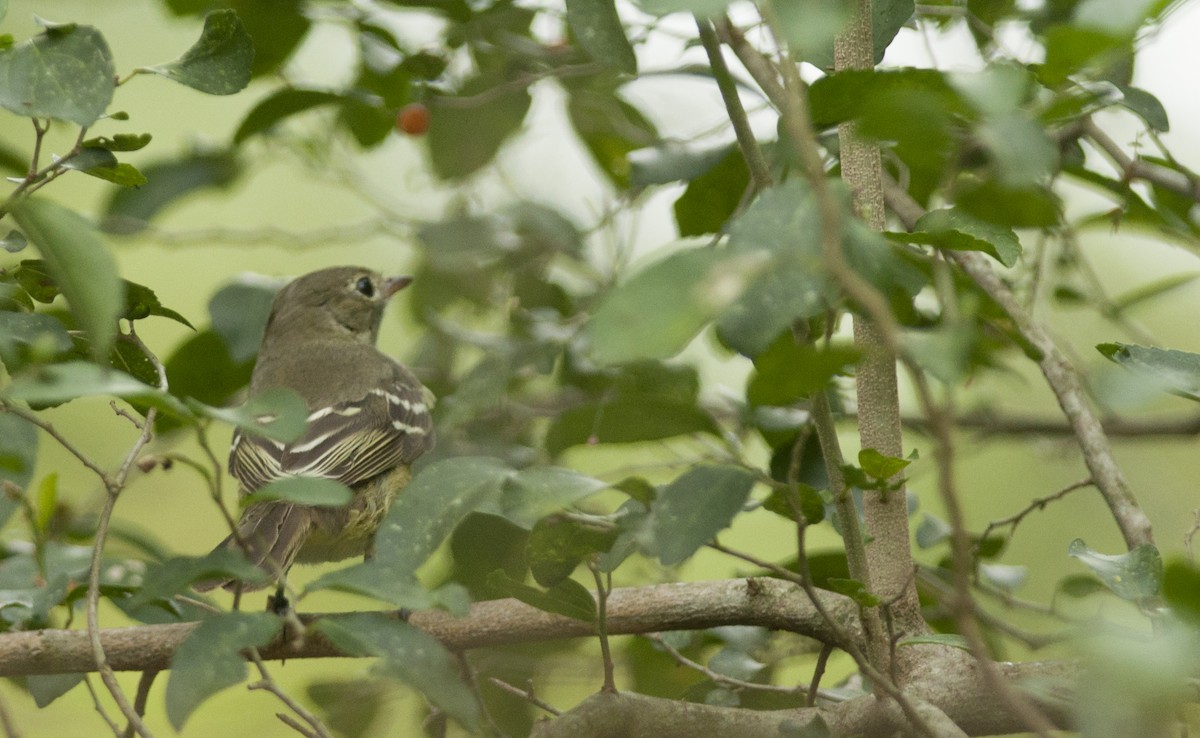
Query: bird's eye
365	286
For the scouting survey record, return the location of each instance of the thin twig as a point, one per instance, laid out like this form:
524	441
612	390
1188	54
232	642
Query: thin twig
142	696
525	694
10	728
268	684
91	688
1036	505
814	688
610	684
759	172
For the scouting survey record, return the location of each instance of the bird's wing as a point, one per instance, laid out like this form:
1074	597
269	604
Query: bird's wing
349	441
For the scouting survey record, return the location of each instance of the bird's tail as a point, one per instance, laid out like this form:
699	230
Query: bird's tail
269	534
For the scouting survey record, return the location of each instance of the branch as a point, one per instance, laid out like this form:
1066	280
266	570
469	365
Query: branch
1060	375
768	603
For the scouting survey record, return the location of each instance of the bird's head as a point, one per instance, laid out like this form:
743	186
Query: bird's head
336	302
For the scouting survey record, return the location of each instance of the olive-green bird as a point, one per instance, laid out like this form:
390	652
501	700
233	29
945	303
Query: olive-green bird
368	422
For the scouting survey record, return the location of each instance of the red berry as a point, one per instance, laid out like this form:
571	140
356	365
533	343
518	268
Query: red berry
413	119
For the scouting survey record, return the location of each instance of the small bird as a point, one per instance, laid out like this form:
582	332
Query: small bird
369	419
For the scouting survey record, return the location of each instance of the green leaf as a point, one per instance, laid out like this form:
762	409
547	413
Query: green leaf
78	259
88	158
58	383
812	27
627	420
699	7
1177	372
201	368
278	413
598	29
657	312
879	466
65	73
1181	590
167	181
789	371
119	142
610	128
210	659
122	174
239	313
18	452
467	130
1022	152
141	302
45	688
408	654
219	62
31	338
695	507
955	229
433	504
278	106
812	506
931	531
556	546
712	198
1002	577
853	589
531	494
1147	107
165	579
13	242
350	707
567	597
671	161
1133	576
312	491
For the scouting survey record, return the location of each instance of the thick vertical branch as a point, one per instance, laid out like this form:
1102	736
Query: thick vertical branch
889	557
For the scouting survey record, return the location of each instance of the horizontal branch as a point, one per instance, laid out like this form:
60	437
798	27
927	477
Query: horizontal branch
1002	424
769	603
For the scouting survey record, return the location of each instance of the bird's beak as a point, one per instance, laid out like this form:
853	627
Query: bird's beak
392	285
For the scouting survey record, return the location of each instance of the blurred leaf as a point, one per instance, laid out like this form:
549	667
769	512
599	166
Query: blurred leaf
350	707
13	242
700	7
18	452
711	198
610	128
467	130
931	531
219	62
1022	152
309	491
853	589
278	413
239	313
626	420
810	28
368	118
58	383
201	368
954	229
1073	49
408	654
1080	585
45	688
88	158
531	494
78	259
656	313
128	210
671	161
34	277
1119	17
1177	372
556	546
691	510
210	659
567	597
1181	590
1152	290
1022	207
31	337
1133	576
278	106
1004	578
598	29
65	73
141	302
812	507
